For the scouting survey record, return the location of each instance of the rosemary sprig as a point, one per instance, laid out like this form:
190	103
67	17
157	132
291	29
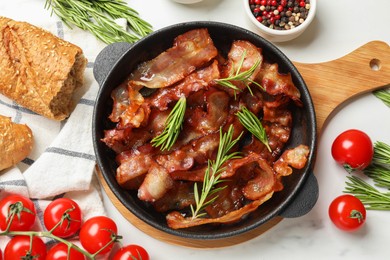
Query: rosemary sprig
372	198
252	123
173	125
379	169
381	153
213	173
384	95
244	76
379	174
98	18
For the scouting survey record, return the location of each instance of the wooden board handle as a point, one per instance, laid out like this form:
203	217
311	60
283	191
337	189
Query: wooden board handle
332	83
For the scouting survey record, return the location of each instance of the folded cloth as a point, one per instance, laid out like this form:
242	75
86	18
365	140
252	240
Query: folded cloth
62	161
68	163
65	167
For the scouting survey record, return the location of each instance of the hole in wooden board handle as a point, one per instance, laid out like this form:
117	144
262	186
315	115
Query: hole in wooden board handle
375	64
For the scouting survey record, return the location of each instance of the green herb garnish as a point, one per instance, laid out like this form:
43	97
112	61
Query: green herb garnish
98	17
384	95
173	125
244	77
213	173
381	153
379	172
252	123
372	198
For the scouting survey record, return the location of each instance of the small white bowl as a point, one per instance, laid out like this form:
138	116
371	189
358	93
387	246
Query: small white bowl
274	35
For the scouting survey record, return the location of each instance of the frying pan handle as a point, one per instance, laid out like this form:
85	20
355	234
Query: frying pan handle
305	199
107	58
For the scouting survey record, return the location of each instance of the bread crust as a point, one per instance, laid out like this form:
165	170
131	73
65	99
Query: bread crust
39	70
16	142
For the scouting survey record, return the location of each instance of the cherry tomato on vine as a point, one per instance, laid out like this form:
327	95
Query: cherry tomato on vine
134	252
97	232
353	149
67	212
19	248
18	209
347	212
60	252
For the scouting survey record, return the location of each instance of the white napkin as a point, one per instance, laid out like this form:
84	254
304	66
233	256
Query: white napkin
68	163
62	167
62	161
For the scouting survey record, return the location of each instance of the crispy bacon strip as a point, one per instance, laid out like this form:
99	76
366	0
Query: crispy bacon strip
176	220
191	50
156	183
251	54
128	138
276	83
295	157
133	167
198	80
263	181
197	151
217	110
129	109
179	197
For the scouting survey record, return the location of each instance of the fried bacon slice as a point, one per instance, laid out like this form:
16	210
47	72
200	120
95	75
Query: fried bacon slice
242	49
276	83
295	157
198	151
180	196
212	114
129	109
133	166
128	138
198	80
190	51
156	184
176	220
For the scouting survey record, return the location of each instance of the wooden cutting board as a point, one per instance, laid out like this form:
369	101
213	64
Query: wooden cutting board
331	84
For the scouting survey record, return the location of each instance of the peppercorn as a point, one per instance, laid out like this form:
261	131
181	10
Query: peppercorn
280	14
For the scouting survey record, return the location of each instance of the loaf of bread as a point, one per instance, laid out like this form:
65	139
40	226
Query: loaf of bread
16	142
39	70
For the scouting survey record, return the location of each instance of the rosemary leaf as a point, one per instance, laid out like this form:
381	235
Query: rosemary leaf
372	198
253	125
213	173
243	77
173	125
384	95
98	17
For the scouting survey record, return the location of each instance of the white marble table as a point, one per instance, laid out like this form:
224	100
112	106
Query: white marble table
339	28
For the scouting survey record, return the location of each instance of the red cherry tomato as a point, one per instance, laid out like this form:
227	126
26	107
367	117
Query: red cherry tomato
72	217
19	248
353	149
60	252
135	252
22	209
97	232
1	255
347	212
